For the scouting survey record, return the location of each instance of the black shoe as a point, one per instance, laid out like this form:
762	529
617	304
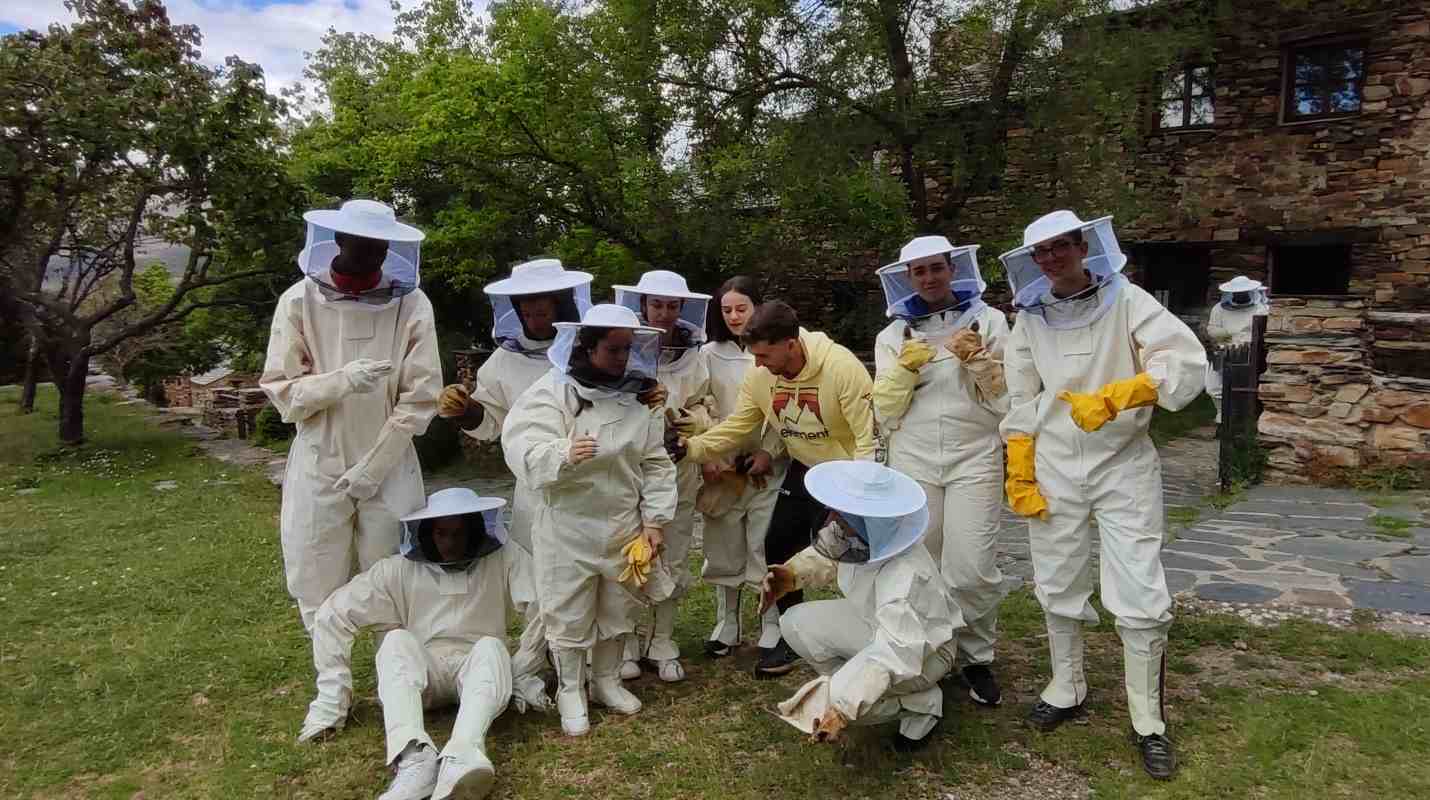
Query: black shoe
1047	717
776	661
982	686
903	745
1158	756
718	649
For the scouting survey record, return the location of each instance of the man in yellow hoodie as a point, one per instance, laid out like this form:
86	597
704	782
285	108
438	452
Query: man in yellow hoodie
817	397
813	392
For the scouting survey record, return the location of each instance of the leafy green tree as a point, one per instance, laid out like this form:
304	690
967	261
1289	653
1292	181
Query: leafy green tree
119	138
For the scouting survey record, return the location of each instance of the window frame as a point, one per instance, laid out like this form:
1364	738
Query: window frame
1187	69
1289	114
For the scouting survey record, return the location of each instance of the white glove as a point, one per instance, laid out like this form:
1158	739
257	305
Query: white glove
318	722
355	484
364	374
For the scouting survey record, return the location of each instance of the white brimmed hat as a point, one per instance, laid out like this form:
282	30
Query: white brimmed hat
609	315
454	503
898	287
866	488
365	218
538	277
1240	283
661	283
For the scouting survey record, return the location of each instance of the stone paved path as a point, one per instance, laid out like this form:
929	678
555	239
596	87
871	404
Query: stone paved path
1303	546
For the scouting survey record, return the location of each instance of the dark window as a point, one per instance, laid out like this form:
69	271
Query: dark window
1324	80
1177	274
1310	269
1187	98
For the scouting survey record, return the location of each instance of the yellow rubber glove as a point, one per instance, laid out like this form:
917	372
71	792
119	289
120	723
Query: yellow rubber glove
1021	486
638	553
914	354
1092	411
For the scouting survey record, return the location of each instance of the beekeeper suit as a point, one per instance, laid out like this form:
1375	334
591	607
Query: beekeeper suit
1229	324
444	602
549	293
1084	368
352	361
663	300
881	649
596	458
733	536
939	393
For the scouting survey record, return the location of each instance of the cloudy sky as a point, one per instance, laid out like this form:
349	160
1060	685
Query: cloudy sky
272	33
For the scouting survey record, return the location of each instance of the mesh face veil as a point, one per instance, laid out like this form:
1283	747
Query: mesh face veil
340	242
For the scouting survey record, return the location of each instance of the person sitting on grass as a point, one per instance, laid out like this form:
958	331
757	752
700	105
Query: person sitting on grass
444	601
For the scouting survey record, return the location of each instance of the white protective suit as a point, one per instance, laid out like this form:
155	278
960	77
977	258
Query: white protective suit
687	383
501	379
734	539
881	649
365	437
943	433
587	512
1228	326
1112	475
446	643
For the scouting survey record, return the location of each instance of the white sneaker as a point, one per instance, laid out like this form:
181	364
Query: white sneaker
671	670
416	777
464	779
630	670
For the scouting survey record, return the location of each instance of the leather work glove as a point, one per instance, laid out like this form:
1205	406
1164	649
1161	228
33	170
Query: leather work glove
830	726
779	581
964	343
1092	411
653	397
914	354
455	403
364	374
1021	486
692	421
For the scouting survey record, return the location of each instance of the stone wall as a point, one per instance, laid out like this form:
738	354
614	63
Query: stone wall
1325	404
232	411
178	392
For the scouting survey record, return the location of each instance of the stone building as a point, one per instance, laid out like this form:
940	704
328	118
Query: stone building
1293	149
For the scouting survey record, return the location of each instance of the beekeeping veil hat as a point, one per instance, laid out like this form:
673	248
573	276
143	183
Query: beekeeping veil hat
1032	291
359	232
544	276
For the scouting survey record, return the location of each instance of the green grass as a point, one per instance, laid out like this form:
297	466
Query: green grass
150	647
1388	525
1169	425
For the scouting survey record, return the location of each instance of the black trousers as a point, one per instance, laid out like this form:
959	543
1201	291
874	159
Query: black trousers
792	527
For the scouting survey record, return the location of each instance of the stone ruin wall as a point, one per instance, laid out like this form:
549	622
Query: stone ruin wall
1327	400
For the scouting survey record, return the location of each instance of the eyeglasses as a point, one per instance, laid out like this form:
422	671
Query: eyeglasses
1058	248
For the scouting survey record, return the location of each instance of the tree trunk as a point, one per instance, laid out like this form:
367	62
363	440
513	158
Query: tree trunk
72	400
32	377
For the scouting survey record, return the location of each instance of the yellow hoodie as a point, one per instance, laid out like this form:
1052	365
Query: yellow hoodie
824	414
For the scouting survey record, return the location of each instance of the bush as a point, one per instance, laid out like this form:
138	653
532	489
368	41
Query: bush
439	446
269	427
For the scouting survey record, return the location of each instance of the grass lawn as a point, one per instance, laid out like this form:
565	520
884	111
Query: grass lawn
149	650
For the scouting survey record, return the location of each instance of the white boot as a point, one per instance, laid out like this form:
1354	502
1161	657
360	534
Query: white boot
465	777
663	650
571	690
726	636
1068	687
416	774
606	688
631	655
770	628
1143	656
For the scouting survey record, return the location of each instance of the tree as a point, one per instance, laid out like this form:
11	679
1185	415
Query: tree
118	139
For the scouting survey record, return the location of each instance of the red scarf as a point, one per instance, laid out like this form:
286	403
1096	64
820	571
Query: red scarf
356	283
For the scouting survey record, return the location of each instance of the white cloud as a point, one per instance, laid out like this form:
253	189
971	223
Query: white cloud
274	35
